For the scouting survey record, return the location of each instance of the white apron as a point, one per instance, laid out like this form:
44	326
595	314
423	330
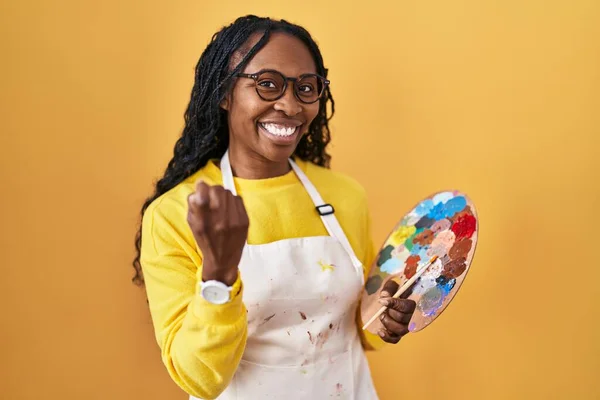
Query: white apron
302	296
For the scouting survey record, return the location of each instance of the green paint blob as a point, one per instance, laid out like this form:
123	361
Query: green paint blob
385	255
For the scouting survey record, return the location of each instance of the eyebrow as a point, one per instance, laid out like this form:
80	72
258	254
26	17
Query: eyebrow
310	71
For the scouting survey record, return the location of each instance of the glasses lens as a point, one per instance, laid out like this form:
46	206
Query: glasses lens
309	88
270	85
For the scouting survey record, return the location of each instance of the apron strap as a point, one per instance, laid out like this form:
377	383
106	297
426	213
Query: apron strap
326	211
228	182
327	214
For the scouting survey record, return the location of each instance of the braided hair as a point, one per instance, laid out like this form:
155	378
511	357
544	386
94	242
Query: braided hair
206	134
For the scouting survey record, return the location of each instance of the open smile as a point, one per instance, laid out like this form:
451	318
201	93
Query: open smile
279	133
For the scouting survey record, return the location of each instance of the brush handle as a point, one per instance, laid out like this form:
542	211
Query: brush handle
403	289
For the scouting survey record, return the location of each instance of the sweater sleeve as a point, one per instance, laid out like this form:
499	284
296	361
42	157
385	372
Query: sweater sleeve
369	340
201	343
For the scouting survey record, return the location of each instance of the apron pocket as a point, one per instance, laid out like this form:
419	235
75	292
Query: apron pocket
324	379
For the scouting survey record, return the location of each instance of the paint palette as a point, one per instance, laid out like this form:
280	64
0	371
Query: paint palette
443	225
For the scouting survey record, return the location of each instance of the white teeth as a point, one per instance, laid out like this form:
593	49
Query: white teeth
279	130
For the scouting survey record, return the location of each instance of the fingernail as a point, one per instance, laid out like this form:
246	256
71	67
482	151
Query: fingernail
382	317
385	293
381	333
385	302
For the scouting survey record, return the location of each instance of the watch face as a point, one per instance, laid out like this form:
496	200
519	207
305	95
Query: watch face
215	294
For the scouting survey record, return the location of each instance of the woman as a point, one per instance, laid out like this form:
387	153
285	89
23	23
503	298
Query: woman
257	298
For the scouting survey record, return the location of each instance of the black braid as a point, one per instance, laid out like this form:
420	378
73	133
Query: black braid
206	134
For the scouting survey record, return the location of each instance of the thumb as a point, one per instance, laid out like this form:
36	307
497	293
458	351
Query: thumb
389	288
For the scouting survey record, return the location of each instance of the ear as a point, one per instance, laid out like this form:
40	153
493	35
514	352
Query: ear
226	102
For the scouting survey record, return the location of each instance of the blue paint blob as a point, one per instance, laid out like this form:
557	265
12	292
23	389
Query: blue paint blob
417	249
423	208
454	206
423	253
448	286
448	209
437	212
391	266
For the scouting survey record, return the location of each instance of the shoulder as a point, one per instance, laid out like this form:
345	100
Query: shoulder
333	182
346	194
349	199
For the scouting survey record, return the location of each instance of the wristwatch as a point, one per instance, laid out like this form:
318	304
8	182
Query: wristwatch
215	292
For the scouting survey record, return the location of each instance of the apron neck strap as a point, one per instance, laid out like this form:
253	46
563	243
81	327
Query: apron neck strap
325	211
227	173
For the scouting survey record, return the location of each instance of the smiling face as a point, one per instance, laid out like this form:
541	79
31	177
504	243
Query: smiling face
269	131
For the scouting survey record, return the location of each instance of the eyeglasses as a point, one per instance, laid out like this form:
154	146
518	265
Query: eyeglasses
271	85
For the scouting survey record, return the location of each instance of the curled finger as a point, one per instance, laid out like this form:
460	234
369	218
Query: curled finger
217	198
398	316
388	337
405	306
199	199
393	326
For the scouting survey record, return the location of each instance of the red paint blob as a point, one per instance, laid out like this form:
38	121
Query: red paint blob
411	265
464	227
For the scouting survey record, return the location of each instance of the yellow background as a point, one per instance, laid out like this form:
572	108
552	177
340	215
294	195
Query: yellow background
497	98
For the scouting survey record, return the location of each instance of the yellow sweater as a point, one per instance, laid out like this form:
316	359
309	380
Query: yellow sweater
202	343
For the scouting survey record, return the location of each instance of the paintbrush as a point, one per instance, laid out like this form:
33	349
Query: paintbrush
403	289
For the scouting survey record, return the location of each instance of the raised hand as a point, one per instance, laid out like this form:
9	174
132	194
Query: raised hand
219	222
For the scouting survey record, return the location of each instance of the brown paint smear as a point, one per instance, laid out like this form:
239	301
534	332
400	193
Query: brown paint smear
424	238
455	268
322	338
460	249
302	315
266	320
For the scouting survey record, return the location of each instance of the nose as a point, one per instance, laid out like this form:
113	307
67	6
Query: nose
288	103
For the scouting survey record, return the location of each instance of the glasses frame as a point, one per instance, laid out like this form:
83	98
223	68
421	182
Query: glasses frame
256	75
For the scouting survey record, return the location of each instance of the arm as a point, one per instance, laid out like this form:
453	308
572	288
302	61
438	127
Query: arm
396	318
201	343
368	340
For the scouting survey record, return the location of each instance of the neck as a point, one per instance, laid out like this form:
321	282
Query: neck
250	165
